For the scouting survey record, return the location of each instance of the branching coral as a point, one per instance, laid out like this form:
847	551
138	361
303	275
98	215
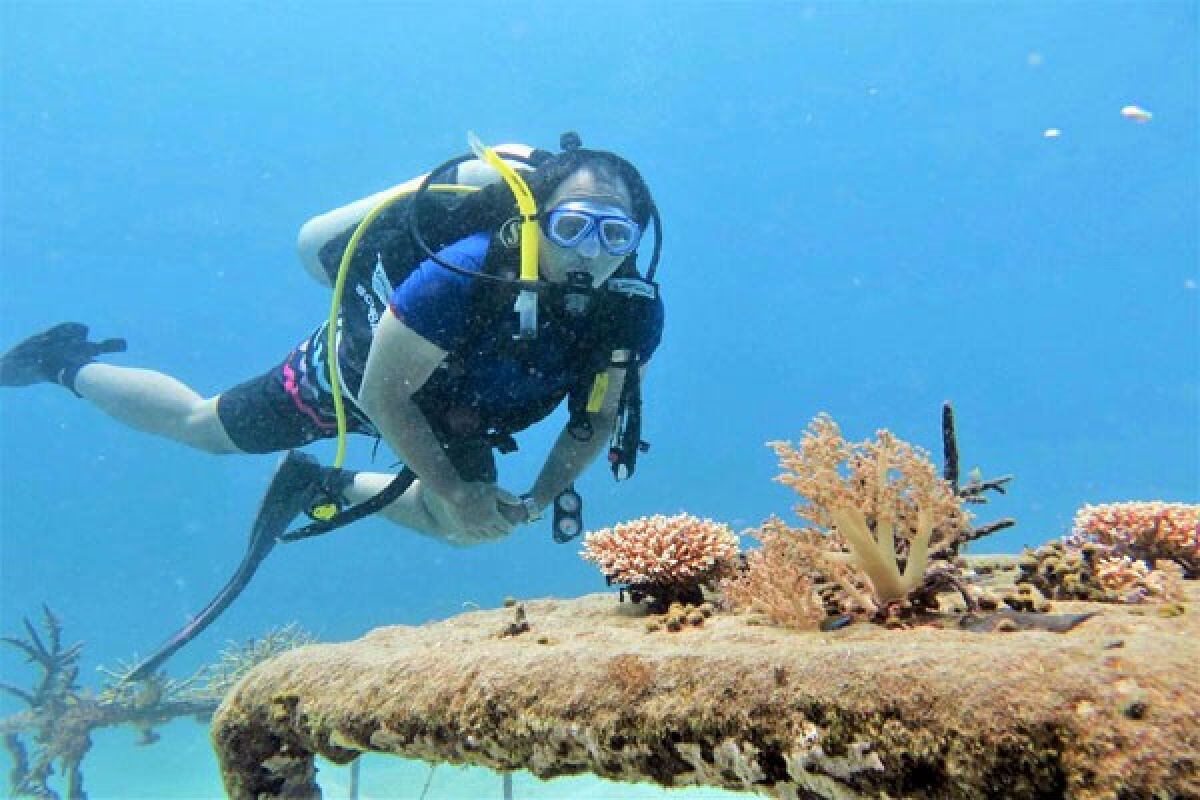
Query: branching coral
1146	531
59	665
60	715
55	696
662	558
778	579
1080	569
1120	553
235	660
1132	581
883	500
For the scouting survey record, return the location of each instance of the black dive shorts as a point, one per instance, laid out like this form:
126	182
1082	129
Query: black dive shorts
291	405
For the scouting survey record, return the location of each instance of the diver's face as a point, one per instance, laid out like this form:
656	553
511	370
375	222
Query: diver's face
584	186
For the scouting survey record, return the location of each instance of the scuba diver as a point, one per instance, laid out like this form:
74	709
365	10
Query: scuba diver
468	304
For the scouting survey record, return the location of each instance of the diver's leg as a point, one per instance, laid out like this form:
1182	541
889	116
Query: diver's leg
155	403
418	508
146	400
421	509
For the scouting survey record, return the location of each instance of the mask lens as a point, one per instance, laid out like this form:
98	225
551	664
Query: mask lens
567	228
619	236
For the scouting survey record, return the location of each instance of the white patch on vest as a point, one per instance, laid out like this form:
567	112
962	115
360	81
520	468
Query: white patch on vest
380	291
369	302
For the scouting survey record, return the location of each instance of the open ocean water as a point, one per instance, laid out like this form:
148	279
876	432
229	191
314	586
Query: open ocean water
869	208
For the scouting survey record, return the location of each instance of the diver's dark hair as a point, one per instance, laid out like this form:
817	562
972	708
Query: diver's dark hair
554	169
490	207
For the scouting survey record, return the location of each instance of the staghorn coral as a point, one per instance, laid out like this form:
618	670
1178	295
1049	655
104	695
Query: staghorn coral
883	500
235	660
1145	531
209	683
665	559
53	712
60	715
974	491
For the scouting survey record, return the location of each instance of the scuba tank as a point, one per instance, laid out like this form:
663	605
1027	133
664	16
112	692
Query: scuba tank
323	229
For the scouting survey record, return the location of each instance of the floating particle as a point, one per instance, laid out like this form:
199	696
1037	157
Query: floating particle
1136	114
1051	133
1034	59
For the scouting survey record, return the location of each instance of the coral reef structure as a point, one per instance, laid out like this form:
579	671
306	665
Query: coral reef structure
1132	552
884	500
784	578
56	726
1075	569
1146	531
662	559
1110	708
883	528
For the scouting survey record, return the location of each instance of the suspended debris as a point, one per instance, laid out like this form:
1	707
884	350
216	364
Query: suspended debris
1136	113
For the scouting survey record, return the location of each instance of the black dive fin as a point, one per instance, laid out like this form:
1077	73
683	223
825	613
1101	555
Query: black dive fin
292	489
43	356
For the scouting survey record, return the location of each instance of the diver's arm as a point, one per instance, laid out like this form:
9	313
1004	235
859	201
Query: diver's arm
399	363
570	457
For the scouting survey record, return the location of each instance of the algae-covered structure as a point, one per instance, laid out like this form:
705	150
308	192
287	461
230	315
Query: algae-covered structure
1107	709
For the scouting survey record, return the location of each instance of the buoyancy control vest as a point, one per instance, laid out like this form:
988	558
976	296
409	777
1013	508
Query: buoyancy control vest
614	325
386	255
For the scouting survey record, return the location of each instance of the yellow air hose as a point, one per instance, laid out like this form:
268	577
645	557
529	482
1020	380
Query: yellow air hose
339	289
529	272
525	204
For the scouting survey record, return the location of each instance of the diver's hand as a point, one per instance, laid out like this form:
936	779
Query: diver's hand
476	509
513	509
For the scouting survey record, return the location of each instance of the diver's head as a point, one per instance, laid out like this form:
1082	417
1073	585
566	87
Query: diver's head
587	226
596	194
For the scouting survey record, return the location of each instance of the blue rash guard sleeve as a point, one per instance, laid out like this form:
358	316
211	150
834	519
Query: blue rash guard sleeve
433	301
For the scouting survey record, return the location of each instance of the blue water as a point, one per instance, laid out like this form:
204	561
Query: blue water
862	216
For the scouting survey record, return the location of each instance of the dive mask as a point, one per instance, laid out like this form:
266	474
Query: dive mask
574	222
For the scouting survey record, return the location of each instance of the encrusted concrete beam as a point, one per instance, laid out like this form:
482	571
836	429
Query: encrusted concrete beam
1110	709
